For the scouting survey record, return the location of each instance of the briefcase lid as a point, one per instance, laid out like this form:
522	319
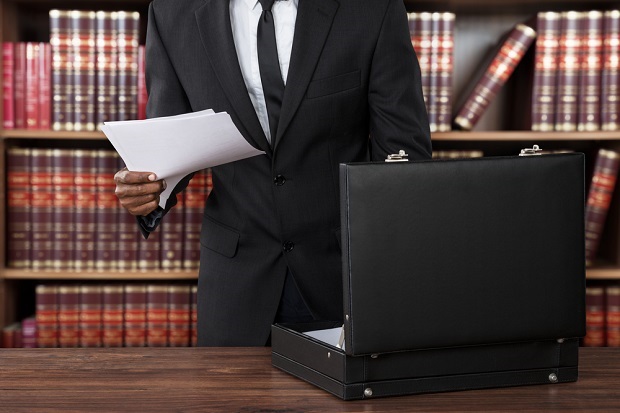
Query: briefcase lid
463	252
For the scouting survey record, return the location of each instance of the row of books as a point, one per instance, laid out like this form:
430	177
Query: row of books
92	71
108	315
63	214
602	316
432	37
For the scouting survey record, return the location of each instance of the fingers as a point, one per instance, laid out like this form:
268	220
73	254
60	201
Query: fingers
138	192
129	177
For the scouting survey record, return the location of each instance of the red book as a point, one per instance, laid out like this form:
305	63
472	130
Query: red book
495	76
590	74
8	90
112	316
46	315
20	85
63	238
545	71
157	315
568	71
29	332
612	315
42	210
107	208
433	77
106	67
45	79
128	237
135	316
68	315
445	55
179	315
32	85
83	69
599	198
610	77
127	38
595	317
420	32
18	193
11	336
194	316
91	316
142	94
194	203
85	213
172	238
62	67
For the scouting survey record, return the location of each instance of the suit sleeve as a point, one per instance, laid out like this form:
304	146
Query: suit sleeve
398	118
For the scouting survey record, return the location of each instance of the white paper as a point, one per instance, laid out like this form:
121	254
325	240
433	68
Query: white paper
331	336
175	146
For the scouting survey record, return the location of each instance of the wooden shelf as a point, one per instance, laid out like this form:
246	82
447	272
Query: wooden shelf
50	134
13	274
493	136
603	273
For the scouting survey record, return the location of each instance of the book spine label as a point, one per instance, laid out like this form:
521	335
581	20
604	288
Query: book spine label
179	315
135	316
19	231
85	218
46	315
595	317
44	92
62	68
42	208
83	65
107	211
20	85
91	316
112	316
157	316
127	33
63	236
590	74
32	86
610	82
612	315
8	81
68	315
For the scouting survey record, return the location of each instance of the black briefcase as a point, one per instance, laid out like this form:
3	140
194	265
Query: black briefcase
458	274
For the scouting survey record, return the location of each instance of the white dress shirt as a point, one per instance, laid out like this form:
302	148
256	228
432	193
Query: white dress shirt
244	16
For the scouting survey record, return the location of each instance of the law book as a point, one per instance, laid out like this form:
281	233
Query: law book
142	94
8	90
18	193
599	198
194	316
157	315
179	315
445	55
127	38
172	238
612	315
20	85
11	336
62	70
83	69
107	211
85	212
106	68
68	315
128	237
194	198
31	98
544	88
45	86
149	250
568	71
112	315
63	204
42	210
29	332
610	77
90	331
46	297
589	109
134	325
595	317
420	32
495	75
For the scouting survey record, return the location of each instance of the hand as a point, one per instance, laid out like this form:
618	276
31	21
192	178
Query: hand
138	192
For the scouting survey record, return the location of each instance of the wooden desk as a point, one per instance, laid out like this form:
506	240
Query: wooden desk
243	380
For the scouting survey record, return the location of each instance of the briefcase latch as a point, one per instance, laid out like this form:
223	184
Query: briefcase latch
534	150
401	156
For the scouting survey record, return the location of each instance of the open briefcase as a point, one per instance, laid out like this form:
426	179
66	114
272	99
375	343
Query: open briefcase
458	274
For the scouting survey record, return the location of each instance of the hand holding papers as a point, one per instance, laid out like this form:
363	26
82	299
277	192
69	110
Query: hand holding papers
175	146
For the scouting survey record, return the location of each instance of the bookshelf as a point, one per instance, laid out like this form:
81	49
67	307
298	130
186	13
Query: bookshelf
478	26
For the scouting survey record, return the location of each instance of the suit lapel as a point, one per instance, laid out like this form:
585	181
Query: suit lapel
314	20
213	20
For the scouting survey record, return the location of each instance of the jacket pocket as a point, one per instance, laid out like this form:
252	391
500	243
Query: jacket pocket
219	238
334	84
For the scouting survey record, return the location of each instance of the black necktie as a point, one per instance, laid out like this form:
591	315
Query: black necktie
273	85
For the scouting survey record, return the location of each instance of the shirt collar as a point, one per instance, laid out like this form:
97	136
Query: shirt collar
251	4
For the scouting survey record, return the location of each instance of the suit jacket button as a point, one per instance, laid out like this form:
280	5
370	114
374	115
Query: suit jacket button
279	180
288	246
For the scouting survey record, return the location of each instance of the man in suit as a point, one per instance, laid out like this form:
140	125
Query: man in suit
271	227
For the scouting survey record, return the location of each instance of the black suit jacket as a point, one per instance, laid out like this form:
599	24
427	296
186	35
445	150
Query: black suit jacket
353	93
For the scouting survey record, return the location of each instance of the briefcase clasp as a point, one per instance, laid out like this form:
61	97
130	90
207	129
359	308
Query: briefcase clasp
401	156
534	150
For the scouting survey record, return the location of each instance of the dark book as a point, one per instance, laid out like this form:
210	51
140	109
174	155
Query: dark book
91	316
42	210
510	53
45	85
142	94
445	62
544	88
11	336
589	111
568	71
106	67
612	315
128	237
18	193
135	315
85	213
194	198
595	317
31	98
8	90
179	315
83	69
29	332
107	208
599	198
610	77
46	315
433	76
127	38
68	315
63	235
19	87
420	31
194	316
112	316
157	315
62	68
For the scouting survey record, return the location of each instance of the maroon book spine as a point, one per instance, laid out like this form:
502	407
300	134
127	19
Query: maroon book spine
420	32
595	317
135	316
128	237
62	68
599	198
68	315
10	336
90	330
112	316
8	81
107	207
29	332
42	210
590	75
46	315
127	38
612	315
545	71
83	69
44	92
149	250
106	69
31	100
20	85
495	76
63	238
610	77
172	238
85	213
157	315
19	230
194	316
568	72
433	76
179	315
142	94
444	72
194	203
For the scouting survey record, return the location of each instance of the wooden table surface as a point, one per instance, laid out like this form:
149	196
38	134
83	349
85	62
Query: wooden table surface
243	380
